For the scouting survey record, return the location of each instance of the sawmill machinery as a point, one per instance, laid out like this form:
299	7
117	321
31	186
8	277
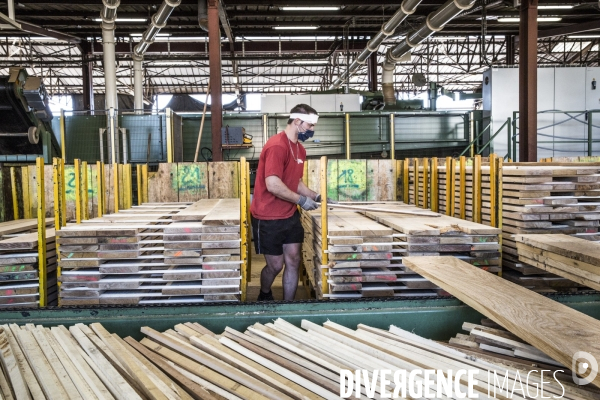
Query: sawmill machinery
25	118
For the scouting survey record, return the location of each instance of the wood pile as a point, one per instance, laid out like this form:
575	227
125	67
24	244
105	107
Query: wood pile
153	254
547	198
19	268
274	361
553	328
500	341
572	258
366	251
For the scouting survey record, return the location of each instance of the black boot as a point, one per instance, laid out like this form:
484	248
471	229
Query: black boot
265	296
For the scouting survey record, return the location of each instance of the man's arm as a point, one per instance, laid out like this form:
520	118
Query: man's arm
305	191
276	187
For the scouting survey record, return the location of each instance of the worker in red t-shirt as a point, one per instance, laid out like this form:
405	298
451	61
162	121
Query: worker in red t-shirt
276	227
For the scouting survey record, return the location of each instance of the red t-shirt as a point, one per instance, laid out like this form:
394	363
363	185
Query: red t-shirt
282	158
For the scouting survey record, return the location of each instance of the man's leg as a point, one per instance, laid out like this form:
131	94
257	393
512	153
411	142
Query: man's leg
291	254
270	271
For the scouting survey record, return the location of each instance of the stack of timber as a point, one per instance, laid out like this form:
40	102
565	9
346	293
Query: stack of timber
553	328
498	341
19	266
547	198
365	252
276	361
153	254
572	258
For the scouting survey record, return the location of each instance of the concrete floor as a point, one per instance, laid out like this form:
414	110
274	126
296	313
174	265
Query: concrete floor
258	262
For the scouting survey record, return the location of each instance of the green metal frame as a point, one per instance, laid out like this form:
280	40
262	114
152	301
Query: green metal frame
437	319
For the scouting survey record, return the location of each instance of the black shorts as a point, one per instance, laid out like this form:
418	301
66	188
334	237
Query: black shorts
271	234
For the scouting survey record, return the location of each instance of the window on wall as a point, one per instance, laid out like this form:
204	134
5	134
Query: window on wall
58	102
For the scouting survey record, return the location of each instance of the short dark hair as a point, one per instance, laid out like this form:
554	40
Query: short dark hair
302	109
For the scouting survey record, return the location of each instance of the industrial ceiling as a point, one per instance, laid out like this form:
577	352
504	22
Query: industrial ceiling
264	49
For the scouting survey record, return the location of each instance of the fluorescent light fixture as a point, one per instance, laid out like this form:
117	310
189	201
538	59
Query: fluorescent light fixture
284	38
140	34
540	19
555	7
309	8
125	19
181	39
302	27
311	62
583	36
174	62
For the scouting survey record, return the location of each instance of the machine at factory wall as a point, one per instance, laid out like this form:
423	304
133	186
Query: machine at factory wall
25	119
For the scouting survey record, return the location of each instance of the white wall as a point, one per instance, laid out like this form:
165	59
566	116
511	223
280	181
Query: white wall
560	88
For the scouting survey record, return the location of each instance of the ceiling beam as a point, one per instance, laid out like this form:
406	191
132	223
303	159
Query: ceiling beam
570	29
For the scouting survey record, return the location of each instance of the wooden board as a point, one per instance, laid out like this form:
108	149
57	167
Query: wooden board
503	302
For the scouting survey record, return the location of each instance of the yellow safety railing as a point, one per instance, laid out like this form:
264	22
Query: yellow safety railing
244	228
41	222
324	227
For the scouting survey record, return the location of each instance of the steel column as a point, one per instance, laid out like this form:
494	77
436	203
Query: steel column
348	154
372	72
77	171
214	62
528	81
87	75
510	50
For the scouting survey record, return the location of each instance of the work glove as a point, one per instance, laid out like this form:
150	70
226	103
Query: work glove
329	201
307	203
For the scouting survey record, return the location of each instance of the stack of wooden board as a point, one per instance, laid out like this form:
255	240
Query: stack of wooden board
19	267
276	361
366	251
153	254
547	198
500	341
569	257
553	328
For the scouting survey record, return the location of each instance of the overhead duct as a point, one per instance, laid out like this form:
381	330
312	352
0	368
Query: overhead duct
108	16
434	23
203	15
406	8
157	22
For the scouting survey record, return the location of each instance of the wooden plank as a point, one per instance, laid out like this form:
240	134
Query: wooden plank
42	369
199	369
226	212
11	368
149	383
503	301
223	180
114	381
192	181
32	384
69	346
196	211
57	366
192	387
217	365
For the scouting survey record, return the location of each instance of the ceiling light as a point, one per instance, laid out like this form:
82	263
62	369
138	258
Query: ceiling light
140	34
583	36
125	19
309	8
295	27
540	19
555	7
311	62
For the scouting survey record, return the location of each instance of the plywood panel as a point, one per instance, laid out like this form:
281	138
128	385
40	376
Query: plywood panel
192	181
223	180
162	186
